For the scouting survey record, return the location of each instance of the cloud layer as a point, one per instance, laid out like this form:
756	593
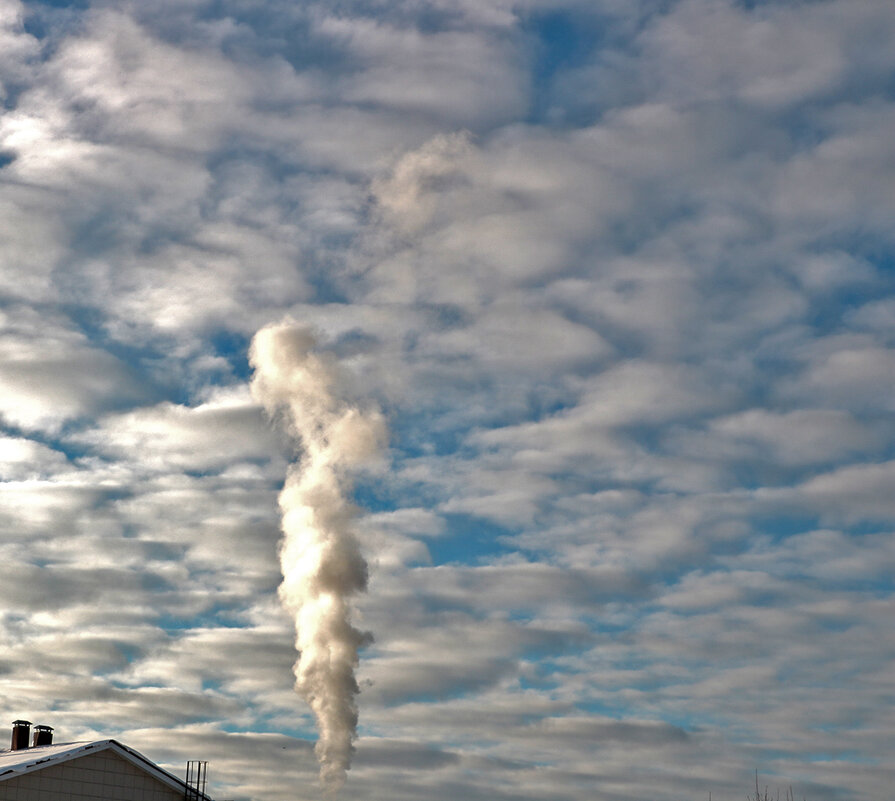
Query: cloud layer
620	277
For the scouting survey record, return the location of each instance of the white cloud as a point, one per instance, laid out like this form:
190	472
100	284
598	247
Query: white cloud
803	436
52	373
850	494
845	372
18	50
632	333
217	434
24	459
770	57
131	86
463	77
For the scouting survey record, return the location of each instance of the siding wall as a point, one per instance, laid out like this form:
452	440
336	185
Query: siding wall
95	777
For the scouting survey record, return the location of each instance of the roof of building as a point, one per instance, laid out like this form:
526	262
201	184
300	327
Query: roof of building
26	760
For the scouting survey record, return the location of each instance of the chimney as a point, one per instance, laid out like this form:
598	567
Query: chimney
43	735
20	731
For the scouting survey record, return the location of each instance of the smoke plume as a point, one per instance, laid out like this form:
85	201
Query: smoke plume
321	560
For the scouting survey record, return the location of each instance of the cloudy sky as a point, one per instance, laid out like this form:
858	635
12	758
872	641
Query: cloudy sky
620	275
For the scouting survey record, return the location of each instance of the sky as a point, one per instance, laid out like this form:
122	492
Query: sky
618	275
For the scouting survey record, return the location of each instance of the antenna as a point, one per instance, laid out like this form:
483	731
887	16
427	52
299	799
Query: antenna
196	777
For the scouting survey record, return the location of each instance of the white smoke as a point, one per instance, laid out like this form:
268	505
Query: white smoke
321	560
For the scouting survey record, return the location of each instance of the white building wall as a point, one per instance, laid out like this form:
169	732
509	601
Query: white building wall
93	777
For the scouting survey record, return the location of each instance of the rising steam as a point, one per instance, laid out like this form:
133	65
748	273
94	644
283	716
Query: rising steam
321	560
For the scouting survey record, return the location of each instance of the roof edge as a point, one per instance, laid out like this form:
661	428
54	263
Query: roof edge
136	758
79	749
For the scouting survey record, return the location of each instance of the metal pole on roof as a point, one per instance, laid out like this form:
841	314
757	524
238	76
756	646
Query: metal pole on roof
196	780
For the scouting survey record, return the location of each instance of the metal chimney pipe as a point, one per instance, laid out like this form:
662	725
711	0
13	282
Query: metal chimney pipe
43	735
20	731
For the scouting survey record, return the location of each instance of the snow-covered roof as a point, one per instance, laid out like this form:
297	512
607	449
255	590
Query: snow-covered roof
26	760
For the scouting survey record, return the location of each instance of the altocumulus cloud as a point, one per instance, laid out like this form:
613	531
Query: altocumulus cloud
619	277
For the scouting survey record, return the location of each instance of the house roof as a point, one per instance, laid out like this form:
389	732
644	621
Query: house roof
26	760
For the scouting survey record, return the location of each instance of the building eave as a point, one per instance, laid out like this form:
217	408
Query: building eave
44	756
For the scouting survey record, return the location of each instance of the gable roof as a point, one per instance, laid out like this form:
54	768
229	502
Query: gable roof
26	760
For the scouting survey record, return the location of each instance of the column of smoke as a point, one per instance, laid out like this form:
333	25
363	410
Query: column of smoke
321	561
